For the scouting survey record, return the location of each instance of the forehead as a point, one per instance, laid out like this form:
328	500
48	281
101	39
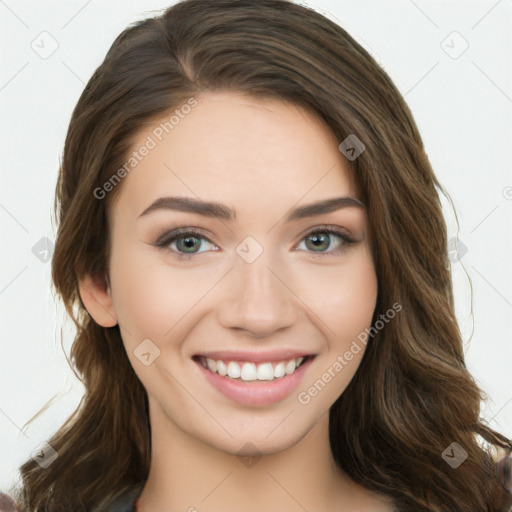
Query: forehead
236	149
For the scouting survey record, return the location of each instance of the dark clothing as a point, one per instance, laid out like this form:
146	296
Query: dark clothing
125	503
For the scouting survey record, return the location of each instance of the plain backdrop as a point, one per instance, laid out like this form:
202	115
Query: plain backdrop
451	60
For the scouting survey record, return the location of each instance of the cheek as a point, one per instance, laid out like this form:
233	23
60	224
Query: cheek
146	302
152	296
344	297
345	308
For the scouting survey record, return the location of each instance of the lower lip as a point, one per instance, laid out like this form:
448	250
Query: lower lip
255	393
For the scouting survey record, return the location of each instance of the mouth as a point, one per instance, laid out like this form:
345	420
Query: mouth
264	381
249	371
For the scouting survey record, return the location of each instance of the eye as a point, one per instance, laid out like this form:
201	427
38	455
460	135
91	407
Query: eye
323	238
184	242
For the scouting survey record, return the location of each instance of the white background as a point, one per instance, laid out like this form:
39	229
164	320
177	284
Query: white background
463	107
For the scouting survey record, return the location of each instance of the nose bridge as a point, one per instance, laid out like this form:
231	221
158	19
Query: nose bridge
256	300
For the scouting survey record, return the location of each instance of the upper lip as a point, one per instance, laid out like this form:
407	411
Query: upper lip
255	356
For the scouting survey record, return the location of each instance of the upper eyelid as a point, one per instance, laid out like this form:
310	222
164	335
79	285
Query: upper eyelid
203	232
339	230
178	232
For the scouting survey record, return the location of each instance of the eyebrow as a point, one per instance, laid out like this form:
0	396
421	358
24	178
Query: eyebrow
218	210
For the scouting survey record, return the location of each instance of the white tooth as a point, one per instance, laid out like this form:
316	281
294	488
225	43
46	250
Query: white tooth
212	365
233	370
265	371
202	360
298	361
221	368
290	366
248	372
279	370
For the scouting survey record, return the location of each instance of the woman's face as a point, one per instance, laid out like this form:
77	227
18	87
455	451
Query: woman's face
257	282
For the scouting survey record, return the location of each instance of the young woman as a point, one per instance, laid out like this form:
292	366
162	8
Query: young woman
252	247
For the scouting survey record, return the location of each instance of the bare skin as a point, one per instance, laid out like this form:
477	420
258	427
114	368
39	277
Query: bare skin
262	159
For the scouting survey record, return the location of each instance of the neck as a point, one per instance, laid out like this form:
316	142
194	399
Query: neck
187	474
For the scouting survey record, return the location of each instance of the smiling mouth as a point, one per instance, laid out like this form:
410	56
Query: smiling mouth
248	371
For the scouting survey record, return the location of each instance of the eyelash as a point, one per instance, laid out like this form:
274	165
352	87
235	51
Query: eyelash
165	240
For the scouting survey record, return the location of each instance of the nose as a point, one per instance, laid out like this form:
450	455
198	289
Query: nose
257	299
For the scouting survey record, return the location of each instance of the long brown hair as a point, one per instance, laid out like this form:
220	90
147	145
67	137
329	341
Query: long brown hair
412	395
